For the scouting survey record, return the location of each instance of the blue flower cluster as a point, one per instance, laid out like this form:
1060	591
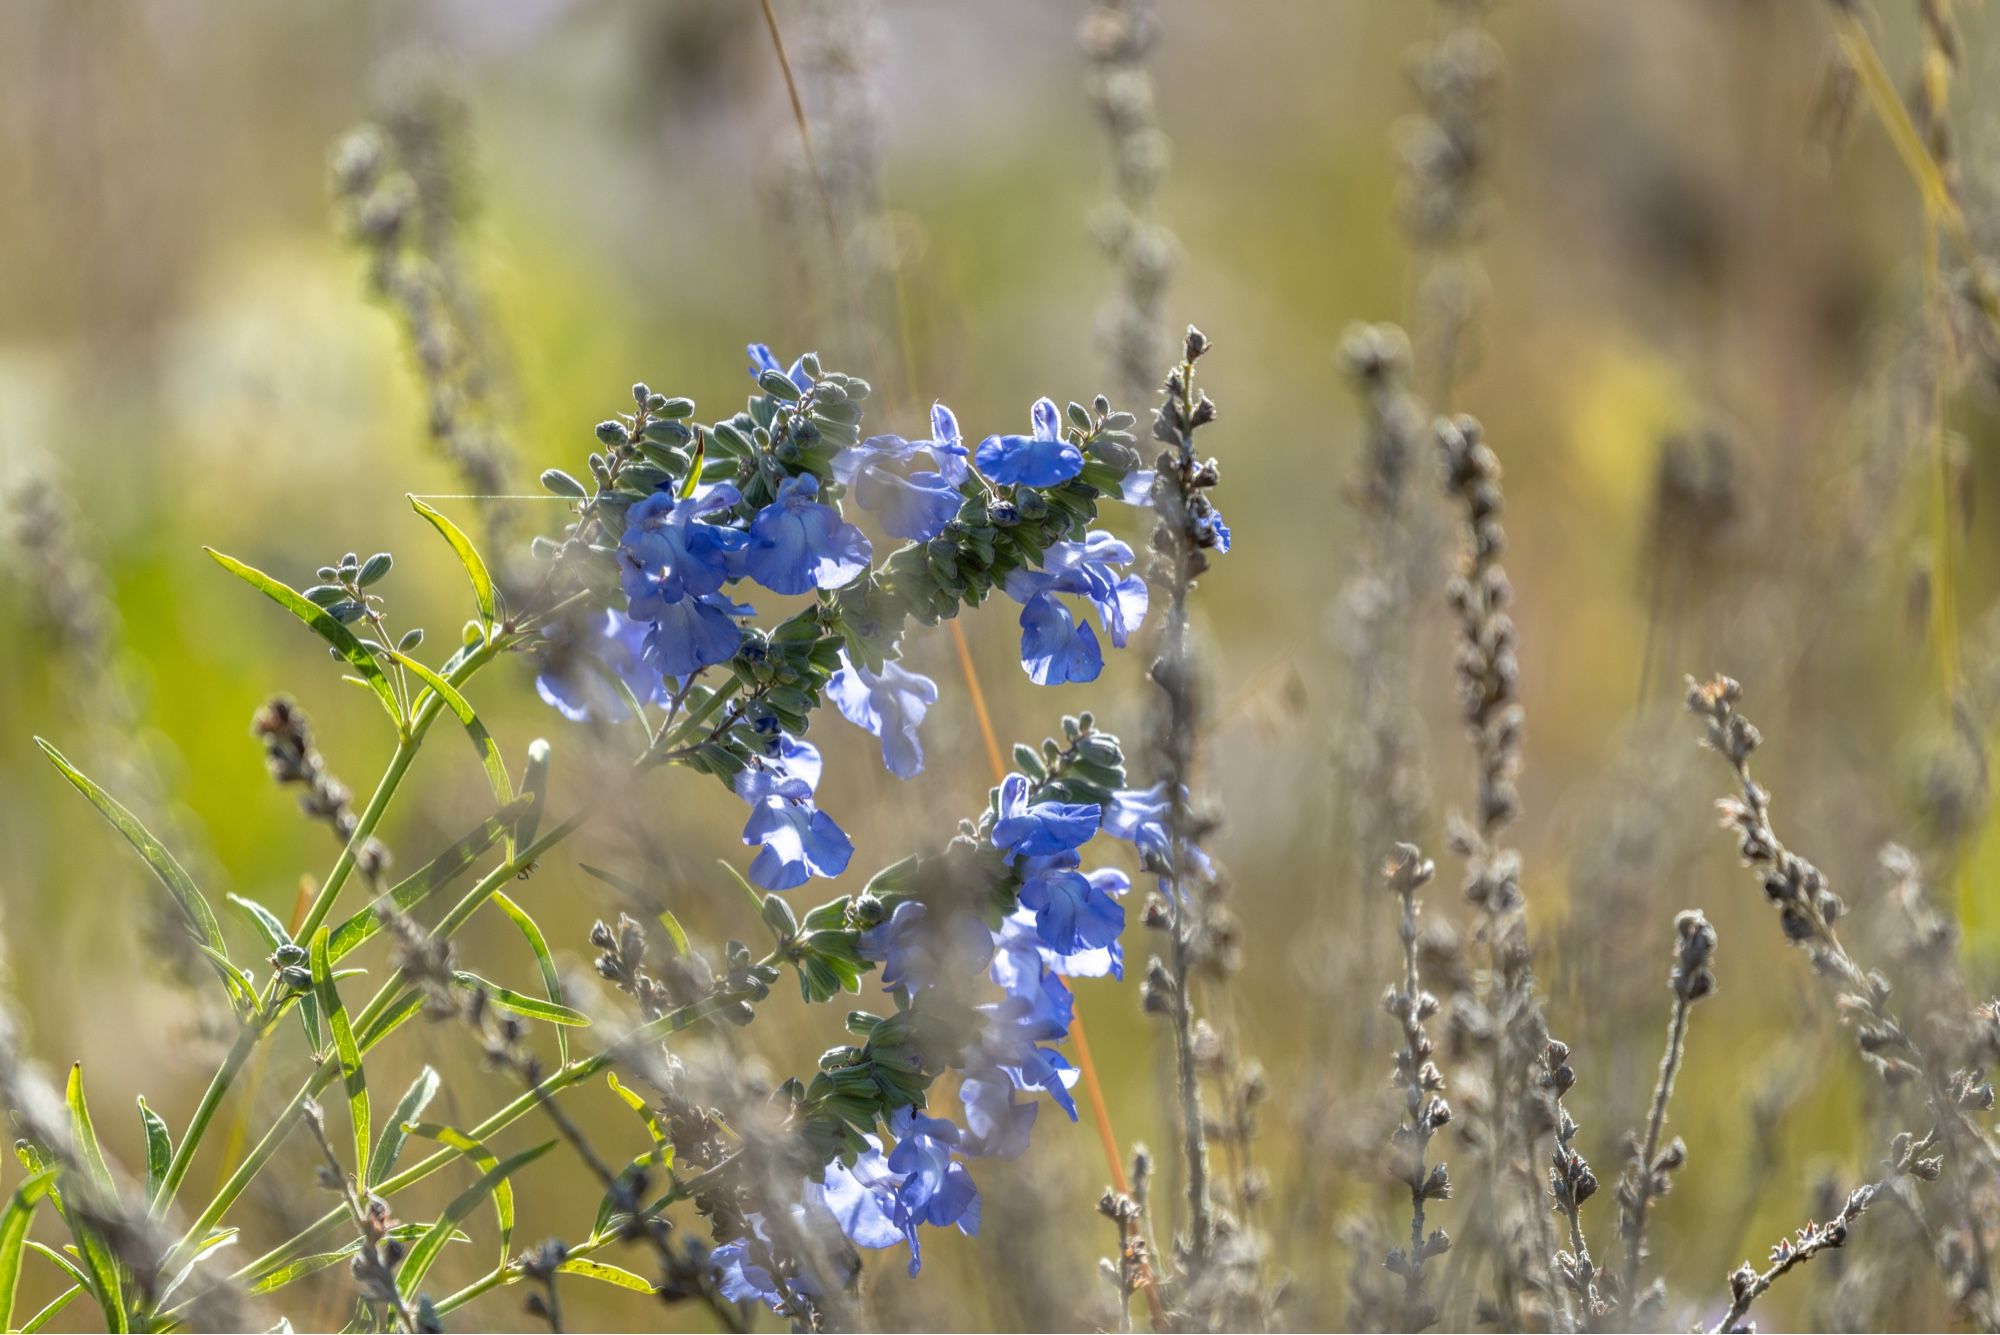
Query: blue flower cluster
691	519
1049	922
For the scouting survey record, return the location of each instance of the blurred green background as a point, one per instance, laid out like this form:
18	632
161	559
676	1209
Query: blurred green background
189	354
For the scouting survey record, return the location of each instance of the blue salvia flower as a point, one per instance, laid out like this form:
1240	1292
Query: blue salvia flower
578	672
946	447
1054	647
694	633
935	1189
998	1124
799	840
916	955
667	555
1074	911
1040	829
916	506
761	361
1011	1047
861	1198
797	544
889	704
1042	459
1020	967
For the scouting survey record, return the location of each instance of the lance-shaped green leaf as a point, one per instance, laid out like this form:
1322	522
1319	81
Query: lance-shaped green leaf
353	1078
306	1265
159	1148
606	1274
325	624
482	740
187	896
551	977
415	1099
212	1243
107	1284
507	999
468	556
14	1223
421	884
54	1308
489	1184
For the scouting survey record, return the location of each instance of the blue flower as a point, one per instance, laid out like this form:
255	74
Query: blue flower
1011	1048
1020	967
665	555
916	953
997	1124
889	704
1139	817
799	840
761	361
1043	459
579	674
741	1279
797	544
947	451
935	1189
945	446
1089	569
1074	911
1040	829
861	1199
1054	648
916	507
1210	527
694	633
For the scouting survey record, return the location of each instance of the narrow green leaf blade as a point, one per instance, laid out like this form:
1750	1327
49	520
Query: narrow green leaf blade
418	1097
324	623
468	556
353	1078
14	1236
507	999
482	740
421	884
489	1184
159	1148
551	976
606	1274
187	896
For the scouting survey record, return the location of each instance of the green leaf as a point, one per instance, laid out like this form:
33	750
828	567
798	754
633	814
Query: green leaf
265	921
14	1223
159	1148
353	1078
214	1242
418	1097
551	977
55	1306
108	1285
325	624
187	896
482	740
317	1261
490	1184
637	1103
750	893
507	999
468	556
421	884
606	1274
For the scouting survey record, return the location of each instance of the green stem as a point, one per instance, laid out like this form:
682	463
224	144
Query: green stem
204	1113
